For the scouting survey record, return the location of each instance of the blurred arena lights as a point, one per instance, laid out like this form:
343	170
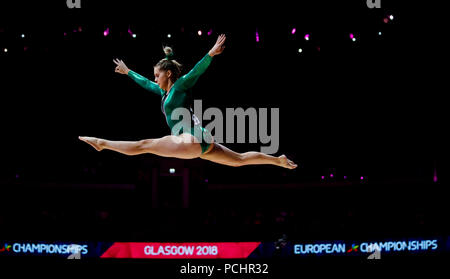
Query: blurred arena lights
131	33
435	177
292	29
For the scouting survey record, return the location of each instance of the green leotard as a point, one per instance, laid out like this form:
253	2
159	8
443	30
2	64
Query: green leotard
178	96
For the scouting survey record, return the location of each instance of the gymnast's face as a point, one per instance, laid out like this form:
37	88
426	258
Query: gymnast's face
162	77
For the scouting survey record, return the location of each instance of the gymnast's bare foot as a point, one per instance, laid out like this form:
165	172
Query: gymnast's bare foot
94	142
286	163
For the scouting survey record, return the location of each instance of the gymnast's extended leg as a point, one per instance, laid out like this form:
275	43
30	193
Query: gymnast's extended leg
218	153
182	146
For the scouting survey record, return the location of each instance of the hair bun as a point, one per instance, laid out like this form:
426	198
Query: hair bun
168	51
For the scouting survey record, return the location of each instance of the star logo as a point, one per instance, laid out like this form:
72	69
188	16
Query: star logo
354	248
5	248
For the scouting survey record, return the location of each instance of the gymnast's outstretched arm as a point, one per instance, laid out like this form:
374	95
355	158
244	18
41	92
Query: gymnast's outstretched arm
188	80
141	80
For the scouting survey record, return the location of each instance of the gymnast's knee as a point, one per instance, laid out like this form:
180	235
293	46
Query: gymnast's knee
144	144
238	161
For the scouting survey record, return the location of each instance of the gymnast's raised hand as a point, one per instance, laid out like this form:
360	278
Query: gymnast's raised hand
218	47
121	67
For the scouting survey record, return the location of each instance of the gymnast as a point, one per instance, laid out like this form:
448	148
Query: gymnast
196	142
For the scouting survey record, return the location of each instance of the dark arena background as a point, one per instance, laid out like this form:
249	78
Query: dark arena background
360	112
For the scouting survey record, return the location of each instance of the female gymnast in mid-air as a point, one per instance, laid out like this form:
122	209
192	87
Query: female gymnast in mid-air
194	143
